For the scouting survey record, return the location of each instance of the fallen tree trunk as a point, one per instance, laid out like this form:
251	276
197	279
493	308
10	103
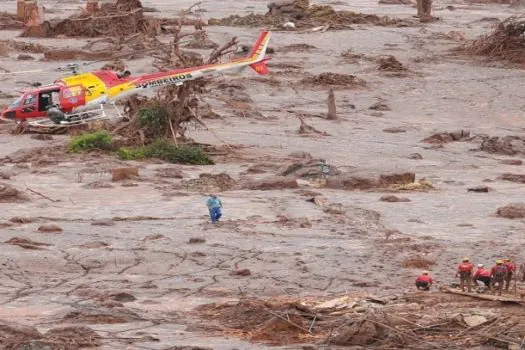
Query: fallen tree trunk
483	296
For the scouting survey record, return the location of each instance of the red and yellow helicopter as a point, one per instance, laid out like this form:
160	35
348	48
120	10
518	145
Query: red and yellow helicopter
72	95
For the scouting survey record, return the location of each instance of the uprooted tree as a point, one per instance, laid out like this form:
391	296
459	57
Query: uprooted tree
166	115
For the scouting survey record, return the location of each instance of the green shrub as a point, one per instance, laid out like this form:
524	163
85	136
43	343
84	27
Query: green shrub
130	153
89	141
154	118
166	150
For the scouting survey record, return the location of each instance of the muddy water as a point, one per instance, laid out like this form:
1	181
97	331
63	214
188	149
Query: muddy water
152	259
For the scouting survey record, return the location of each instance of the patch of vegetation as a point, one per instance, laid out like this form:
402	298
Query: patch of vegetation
154	118
166	150
90	141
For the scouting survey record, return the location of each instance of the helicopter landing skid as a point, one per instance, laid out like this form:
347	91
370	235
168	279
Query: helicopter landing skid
71	120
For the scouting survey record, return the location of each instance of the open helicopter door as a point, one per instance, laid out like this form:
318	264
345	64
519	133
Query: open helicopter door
71	97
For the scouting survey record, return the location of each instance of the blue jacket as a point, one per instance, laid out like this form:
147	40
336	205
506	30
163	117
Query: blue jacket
214	203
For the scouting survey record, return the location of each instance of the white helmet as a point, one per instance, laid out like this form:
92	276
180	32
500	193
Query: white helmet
480	265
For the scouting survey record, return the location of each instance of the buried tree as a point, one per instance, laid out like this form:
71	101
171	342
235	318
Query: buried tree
166	115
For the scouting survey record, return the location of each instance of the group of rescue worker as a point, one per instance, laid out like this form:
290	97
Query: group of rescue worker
495	279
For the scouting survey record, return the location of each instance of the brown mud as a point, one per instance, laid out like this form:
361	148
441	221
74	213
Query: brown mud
326	223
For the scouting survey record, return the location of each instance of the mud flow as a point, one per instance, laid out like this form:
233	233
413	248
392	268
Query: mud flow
386	140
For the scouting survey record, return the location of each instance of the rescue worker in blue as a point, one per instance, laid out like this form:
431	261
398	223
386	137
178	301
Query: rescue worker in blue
214	206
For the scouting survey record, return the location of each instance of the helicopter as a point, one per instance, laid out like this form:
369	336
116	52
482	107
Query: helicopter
64	100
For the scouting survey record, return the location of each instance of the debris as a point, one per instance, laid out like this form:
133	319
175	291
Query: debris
335	304
332	114
315	16
25	57
415	156
119	174
10	194
420	185
393	199
418	263
395	130
512	162
519	178
446	137
243	272
482	296
395	2
479	189
347	81
508	145
50	228
172	173
388	63
506	42
26	243
210	183
308	169
154	237
103	222
123	297
512	211
271	183
380	106
306	129
196	240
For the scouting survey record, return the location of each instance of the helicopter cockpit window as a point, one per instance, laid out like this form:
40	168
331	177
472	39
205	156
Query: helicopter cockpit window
29	100
15	103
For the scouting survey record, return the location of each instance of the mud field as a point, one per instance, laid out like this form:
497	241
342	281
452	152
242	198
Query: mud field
138	263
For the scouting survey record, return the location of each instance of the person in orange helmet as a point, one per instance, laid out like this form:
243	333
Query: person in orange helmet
511	270
424	281
498	274
464	270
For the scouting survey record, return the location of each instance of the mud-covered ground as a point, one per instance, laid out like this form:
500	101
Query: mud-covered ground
134	236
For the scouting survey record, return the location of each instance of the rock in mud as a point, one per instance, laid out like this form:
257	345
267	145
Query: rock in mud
243	272
508	145
393	199
415	156
50	228
512	211
519	178
120	174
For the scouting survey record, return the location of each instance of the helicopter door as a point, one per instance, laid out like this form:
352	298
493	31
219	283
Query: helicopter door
29	108
71	97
